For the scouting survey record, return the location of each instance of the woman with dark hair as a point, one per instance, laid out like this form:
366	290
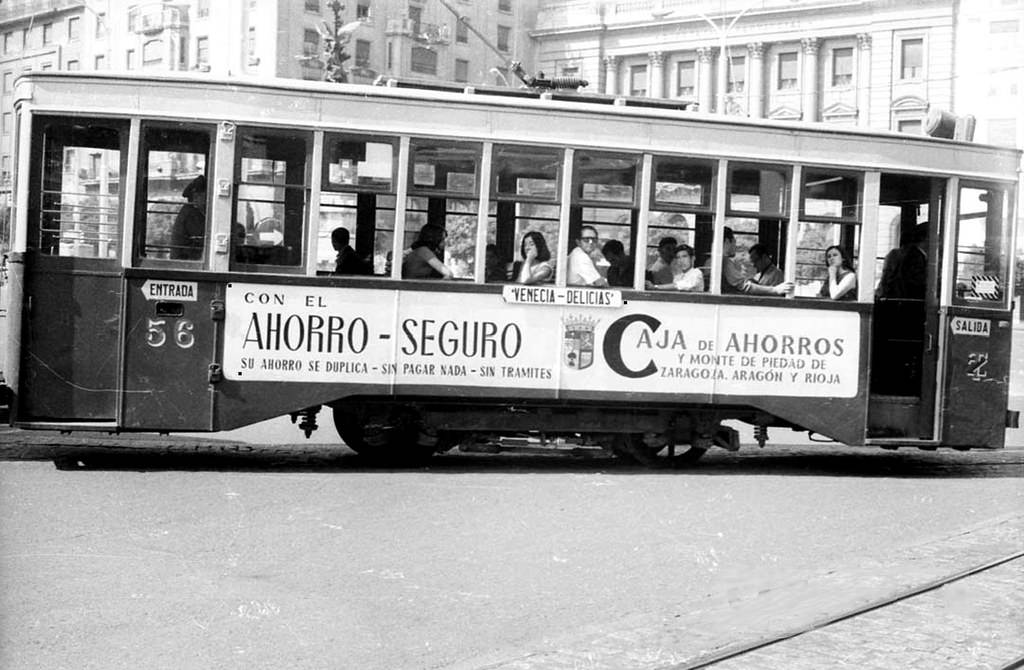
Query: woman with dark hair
421	261
536	264
841	283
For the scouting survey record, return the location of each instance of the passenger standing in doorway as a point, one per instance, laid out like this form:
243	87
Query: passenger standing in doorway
905	271
188	233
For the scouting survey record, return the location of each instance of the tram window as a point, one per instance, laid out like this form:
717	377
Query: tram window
271	178
524	199
173	163
78	203
604	178
982	253
357	163
682	196
442	191
829	216
813	240
830	195
759	189
357	195
683	182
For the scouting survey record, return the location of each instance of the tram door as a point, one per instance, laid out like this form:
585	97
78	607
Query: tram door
905	324
69	366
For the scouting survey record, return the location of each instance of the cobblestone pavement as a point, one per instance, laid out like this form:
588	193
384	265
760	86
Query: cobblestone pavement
975	623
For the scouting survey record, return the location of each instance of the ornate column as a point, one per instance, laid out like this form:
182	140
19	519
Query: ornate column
755	56
705	56
656	80
863	75
809	85
611	75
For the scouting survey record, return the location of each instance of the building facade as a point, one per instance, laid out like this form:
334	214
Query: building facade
418	39
878	64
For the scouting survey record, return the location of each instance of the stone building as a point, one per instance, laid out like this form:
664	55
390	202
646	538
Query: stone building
418	39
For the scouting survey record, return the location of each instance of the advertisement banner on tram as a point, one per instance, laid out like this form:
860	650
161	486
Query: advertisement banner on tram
305	334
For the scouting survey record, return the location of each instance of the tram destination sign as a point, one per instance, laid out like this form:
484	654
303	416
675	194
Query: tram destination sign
445	342
569	296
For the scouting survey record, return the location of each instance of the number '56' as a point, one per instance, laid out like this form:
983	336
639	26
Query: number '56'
156	334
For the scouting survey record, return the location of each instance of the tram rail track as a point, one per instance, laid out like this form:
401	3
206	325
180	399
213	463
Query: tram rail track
747	648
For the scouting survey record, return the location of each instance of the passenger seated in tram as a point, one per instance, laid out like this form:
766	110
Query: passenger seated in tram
733	279
841	283
768	273
904	273
582	271
660	272
620	266
685	277
536	264
188	233
421	260
348	261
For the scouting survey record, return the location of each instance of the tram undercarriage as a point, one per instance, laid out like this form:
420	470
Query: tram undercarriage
407	431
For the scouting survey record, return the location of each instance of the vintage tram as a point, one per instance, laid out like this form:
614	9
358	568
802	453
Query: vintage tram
136	303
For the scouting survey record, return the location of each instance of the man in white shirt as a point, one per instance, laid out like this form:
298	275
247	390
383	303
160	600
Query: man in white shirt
582	271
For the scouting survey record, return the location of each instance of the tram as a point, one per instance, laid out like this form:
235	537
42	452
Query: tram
121	320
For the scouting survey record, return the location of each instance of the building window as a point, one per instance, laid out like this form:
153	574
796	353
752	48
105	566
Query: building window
101	25
686	78
26	39
99	62
461	32
46	66
203	8
1010	26
787	71
310	43
415	16
363	11
424	60
8	42
461	70
505	6
313	6
8	81
251	41
129	59
73	65
842	66
47	33
737	74
74	29
202	51
504	33
152	53
501	76
912	59
363	53
911	126
391	55
7	123
638	81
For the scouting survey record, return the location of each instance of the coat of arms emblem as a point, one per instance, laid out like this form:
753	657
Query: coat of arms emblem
578	342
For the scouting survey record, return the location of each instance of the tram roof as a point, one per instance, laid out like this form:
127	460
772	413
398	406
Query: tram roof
497	98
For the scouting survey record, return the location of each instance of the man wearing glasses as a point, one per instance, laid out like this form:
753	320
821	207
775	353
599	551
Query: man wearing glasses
582	271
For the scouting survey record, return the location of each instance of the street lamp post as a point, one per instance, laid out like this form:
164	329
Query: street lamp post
723	56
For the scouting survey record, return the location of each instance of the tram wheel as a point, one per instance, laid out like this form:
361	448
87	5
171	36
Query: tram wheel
388	434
